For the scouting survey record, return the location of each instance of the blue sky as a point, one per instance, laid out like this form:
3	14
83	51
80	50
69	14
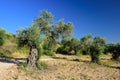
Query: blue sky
97	17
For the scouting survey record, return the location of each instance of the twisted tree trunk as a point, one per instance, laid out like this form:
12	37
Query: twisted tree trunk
32	59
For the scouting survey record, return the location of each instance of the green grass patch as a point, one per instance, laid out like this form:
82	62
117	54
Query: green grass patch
42	65
48	53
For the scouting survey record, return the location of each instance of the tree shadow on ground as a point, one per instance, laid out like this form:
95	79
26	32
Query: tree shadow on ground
72	59
12	60
63	58
115	67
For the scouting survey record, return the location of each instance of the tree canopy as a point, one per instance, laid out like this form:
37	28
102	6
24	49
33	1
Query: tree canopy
29	36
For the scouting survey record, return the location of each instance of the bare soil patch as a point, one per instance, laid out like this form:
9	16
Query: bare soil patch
63	67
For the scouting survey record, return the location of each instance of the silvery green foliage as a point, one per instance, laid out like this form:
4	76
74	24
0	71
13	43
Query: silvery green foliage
29	36
97	48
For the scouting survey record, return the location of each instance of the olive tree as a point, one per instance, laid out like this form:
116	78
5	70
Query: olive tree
69	47
114	49
85	43
97	48
64	30
30	37
51	31
45	23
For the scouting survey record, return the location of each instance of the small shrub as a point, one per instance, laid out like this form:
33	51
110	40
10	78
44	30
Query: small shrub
23	64
42	65
48	53
79	53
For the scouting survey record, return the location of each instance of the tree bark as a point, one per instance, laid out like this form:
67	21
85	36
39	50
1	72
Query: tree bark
32	59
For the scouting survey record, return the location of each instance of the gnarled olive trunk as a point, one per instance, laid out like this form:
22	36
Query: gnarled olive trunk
32	58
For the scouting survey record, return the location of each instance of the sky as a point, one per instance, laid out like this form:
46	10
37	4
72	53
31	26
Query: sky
95	17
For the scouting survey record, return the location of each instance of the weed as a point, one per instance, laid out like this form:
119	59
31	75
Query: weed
92	65
42	65
79	54
48	53
16	77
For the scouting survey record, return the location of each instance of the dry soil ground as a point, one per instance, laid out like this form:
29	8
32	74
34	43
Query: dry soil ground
63	67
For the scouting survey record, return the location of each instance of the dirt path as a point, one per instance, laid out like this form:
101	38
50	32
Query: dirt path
4	66
7	70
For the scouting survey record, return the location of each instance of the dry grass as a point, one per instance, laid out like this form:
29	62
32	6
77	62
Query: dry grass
18	55
67	67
